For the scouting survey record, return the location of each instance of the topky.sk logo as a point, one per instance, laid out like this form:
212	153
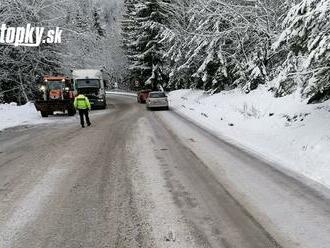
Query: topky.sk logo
29	36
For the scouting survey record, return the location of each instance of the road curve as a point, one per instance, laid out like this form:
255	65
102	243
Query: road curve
128	181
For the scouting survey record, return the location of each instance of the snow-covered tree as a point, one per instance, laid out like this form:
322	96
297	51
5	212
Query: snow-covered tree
96	43
223	44
97	23
89	41
21	66
307	36
143	25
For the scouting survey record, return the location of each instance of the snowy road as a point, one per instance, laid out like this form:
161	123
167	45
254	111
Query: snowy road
148	179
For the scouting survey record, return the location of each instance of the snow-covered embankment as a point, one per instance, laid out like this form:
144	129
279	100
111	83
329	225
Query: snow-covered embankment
284	130
12	115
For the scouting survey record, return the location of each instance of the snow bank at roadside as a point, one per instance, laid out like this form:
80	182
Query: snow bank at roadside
285	130
121	93
12	115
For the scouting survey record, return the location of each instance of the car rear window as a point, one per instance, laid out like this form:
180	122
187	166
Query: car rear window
157	95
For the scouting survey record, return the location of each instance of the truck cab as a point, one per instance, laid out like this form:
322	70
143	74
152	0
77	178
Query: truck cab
91	83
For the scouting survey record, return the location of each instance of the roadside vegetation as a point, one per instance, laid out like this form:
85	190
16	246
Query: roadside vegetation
217	45
90	39
212	45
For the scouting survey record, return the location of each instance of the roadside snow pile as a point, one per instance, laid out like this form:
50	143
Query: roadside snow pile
284	130
12	115
121	93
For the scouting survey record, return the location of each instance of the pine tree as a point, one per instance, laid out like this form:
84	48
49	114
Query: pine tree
142	27
97	23
223	44
307	36
81	21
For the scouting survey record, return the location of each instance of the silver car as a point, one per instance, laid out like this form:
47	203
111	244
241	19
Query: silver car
157	99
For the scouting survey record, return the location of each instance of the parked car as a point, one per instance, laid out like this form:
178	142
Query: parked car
142	96
157	99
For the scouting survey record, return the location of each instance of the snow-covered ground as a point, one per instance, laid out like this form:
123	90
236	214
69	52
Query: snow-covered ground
283	130
12	115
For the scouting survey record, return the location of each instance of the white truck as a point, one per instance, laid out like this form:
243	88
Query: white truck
92	84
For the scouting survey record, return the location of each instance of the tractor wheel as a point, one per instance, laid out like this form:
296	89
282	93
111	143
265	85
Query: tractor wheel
71	112
44	114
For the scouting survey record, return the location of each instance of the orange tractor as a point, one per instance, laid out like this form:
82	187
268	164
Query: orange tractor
56	93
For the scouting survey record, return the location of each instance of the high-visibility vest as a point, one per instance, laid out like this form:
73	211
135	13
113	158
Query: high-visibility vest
81	102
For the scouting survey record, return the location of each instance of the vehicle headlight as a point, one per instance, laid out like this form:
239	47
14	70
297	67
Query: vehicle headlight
42	88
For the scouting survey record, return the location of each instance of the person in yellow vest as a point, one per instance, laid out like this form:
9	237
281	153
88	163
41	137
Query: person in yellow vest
82	104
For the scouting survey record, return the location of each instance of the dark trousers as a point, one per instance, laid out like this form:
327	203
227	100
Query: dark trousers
82	113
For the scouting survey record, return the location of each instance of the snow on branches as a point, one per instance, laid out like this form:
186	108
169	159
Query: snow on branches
91	39
222	44
307	36
143	24
20	66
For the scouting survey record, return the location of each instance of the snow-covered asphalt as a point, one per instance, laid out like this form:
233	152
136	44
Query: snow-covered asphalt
138	178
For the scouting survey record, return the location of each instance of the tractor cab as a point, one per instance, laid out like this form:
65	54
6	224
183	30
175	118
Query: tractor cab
56	93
